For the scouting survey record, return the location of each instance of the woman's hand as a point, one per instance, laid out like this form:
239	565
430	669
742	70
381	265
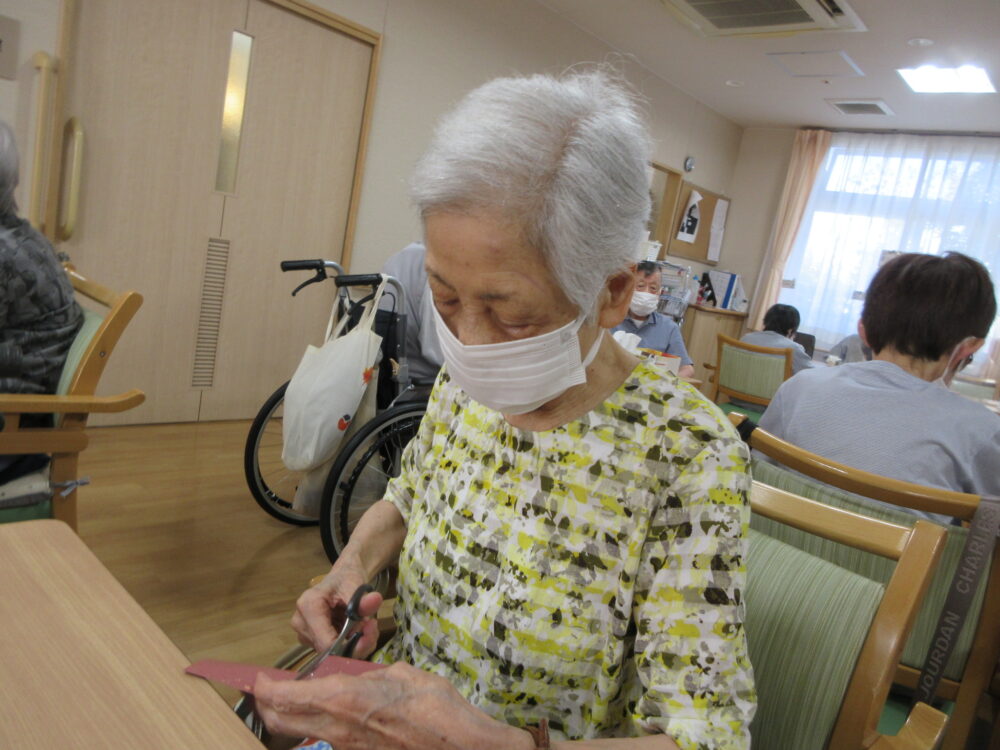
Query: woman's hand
390	709
320	611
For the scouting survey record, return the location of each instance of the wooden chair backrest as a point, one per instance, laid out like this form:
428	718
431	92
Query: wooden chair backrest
916	551
876	486
120	309
776	361
984	648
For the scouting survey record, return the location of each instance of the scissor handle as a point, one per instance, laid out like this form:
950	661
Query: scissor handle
354	605
353	615
351	643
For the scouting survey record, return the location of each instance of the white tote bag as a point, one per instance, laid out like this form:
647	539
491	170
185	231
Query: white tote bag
309	493
326	389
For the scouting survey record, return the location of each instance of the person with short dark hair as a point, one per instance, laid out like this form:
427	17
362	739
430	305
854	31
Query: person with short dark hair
780	324
924	317
655	330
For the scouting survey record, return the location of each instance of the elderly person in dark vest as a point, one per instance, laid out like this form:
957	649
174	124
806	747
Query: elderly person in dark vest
39	316
569	523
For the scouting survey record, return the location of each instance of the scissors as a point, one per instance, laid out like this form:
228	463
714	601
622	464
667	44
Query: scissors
350	634
343	645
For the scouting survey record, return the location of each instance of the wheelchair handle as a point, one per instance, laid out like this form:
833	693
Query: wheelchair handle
359	279
311	265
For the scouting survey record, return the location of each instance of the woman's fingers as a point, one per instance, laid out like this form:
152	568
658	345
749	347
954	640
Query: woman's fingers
370	603
368	641
312	620
287	710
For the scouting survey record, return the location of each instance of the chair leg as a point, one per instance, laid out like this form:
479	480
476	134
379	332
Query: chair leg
978	669
64	469
995	740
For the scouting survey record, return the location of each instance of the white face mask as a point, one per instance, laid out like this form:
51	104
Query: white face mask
948	375
643	303
515	377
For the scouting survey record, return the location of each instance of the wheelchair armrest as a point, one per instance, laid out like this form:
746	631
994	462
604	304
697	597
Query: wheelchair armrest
32	403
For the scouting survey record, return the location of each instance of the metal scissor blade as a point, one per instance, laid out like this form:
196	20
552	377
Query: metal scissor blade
344	643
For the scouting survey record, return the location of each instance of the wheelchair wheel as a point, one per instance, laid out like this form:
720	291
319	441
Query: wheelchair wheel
271	483
362	470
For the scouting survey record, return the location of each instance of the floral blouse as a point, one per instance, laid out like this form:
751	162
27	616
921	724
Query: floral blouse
591	574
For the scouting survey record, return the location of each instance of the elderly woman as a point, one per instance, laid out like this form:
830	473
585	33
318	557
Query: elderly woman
39	315
569	521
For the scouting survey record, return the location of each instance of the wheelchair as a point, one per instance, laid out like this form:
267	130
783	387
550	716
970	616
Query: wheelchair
371	455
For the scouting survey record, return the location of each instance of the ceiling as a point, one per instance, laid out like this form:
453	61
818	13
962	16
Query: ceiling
963	31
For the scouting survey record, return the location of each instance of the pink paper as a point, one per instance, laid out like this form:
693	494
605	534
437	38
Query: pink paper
243	676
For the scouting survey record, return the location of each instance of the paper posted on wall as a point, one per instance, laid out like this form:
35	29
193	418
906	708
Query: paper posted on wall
688	229
718	229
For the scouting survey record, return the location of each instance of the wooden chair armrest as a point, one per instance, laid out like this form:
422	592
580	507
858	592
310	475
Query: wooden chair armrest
708	365
922	731
36	403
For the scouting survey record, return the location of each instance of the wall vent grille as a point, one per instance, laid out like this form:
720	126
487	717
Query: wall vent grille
860	106
714	18
213	289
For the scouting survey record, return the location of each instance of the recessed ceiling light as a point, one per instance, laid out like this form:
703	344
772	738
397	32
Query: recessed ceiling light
920	42
734	84
929	79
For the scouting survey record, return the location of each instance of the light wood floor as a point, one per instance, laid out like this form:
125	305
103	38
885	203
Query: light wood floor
168	512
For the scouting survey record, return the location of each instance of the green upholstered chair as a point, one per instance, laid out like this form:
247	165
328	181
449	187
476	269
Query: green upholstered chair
749	373
50	492
969	670
824	641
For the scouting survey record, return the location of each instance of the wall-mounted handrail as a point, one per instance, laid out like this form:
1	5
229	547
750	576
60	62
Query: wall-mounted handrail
74	131
45	65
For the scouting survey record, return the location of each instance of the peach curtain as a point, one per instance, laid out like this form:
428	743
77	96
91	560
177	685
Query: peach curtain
808	154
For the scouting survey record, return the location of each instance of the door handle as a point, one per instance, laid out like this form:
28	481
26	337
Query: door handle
72	134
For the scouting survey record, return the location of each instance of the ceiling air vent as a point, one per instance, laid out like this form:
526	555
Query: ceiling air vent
860	106
735	17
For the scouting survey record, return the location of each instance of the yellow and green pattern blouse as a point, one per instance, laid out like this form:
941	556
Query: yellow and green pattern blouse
591	574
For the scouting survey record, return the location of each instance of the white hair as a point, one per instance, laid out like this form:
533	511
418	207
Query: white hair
8	170
566	159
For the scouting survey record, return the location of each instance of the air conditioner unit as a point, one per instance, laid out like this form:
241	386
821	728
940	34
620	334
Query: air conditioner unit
765	17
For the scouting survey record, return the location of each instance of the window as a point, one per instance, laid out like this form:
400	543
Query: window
889	193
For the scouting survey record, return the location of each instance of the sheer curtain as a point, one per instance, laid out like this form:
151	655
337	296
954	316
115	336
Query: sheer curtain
879	194
808	155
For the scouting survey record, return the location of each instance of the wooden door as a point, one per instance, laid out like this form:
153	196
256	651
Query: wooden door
297	162
147	79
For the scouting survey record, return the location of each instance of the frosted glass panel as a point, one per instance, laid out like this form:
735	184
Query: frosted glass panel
232	112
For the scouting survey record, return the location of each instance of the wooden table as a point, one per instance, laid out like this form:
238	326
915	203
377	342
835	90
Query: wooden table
83	666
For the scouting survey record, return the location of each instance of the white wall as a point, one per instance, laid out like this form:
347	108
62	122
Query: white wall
39	32
434	51
755	190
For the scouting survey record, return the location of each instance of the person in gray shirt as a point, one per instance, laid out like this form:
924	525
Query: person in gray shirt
851	349
423	351
780	324
924	316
